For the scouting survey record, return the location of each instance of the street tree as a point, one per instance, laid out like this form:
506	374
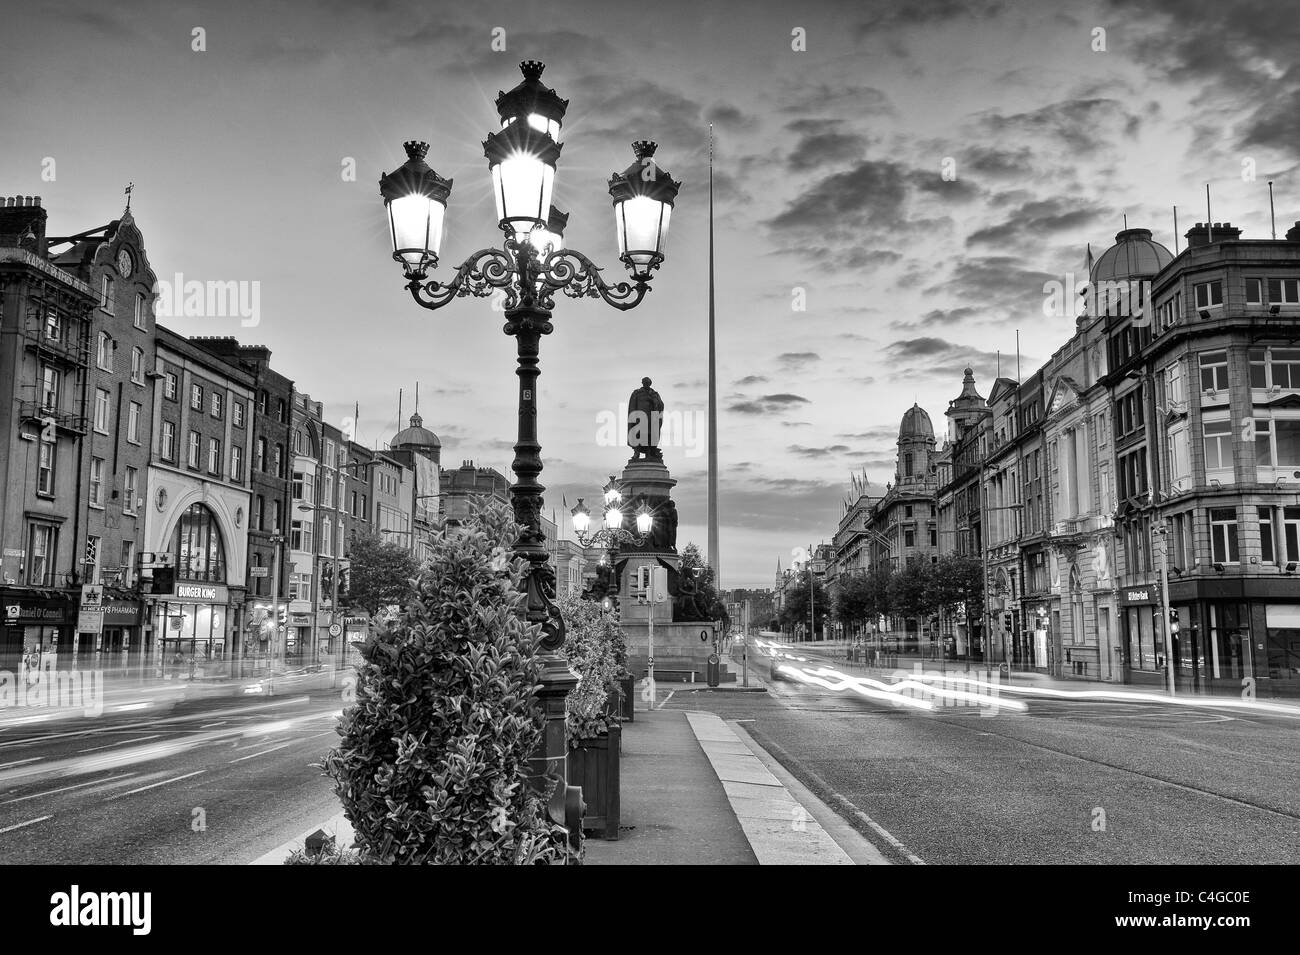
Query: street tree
794	612
381	572
693	564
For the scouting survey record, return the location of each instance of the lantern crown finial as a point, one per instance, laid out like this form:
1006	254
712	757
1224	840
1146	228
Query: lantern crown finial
416	149
532	69
644	148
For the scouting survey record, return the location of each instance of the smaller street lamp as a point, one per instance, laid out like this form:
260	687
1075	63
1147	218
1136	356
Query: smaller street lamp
613	530
416	199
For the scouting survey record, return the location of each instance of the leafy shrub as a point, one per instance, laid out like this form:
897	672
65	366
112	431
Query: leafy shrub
431	765
593	644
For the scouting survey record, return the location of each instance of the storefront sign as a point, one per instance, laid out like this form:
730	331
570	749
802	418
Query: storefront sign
31	611
300	619
1139	595
121	613
90	620
208	593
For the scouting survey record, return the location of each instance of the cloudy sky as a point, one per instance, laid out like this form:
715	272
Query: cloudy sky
912	177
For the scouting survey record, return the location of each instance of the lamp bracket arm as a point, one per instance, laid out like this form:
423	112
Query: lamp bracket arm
480	274
577	276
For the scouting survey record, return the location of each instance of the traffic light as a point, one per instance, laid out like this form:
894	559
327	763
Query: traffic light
1173	619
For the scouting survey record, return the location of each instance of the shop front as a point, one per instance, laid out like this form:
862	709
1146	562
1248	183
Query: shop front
193	624
1143	637
36	627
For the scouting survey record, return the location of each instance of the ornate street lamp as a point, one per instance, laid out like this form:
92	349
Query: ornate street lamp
529	267
613	532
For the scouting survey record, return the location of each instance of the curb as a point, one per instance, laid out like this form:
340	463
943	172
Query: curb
337	826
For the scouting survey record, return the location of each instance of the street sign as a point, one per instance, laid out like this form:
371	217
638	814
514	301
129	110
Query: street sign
335	630
704	636
259	571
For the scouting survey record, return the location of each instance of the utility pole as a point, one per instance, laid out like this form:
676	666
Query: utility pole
812	599
1163	531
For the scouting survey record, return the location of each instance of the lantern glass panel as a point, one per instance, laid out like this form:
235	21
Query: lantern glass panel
416	222
643	522
642	224
614	518
522	185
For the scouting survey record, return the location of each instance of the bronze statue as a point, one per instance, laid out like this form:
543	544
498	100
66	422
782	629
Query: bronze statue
645	410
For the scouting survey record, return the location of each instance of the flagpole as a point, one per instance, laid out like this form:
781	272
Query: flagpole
715	556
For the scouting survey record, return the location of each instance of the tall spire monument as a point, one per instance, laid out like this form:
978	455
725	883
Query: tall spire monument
715	554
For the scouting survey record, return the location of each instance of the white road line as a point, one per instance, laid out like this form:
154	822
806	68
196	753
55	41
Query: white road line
19	762
29	822
263	752
210	725
138	739
175	779
64	789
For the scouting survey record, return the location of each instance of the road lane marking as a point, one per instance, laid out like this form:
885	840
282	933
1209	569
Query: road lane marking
29	822
206	726
139	739
263	752
19	762
64	789
175	779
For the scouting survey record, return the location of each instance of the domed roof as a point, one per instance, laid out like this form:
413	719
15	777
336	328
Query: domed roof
916	423
416	436
1134	254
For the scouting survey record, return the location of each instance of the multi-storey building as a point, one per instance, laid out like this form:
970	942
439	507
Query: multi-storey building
852	553
419	450
198	500
466	484
268	470
46	319
304	547
119	394
1224	406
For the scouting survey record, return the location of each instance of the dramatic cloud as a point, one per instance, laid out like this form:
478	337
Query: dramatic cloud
768	404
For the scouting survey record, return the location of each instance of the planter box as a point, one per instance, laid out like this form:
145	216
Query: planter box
593	765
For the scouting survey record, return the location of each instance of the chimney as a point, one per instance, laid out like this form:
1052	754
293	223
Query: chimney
22	223
1202	233
1293	233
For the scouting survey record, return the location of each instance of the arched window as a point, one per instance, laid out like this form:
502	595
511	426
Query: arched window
197	546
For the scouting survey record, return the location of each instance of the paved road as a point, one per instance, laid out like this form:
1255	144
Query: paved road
1175	784
213	781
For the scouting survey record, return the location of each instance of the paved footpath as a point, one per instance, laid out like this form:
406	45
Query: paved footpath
697	790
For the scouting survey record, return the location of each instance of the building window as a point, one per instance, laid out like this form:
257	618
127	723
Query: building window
45	469
106	293
907	510
104	355
237	414
128	563
300	534
97	482
167	446
1254	291
141	309
279	410
129	483
133	423
236	463
1291	532
193	458
261	455
137	365
1283	291
277	513
909	538
1218	444
934	537
1267	534
102	399
1275	368
217	404
196	397
169	389
259	513
42	546
49	389
53	325
1208	294
197	546
1174	390
1223	535
297	442
90	560
214	456
279	460
1214	371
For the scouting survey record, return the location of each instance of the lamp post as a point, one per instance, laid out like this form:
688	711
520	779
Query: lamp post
528	269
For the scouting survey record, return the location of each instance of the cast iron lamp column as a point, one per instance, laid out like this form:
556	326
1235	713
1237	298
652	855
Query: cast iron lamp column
528	269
